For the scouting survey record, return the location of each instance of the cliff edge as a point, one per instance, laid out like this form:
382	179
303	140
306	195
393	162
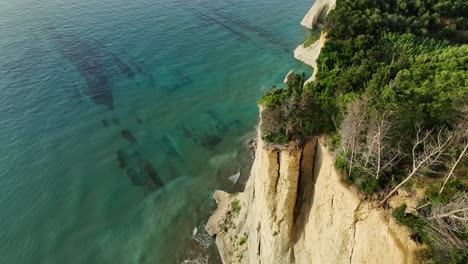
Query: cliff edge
295	209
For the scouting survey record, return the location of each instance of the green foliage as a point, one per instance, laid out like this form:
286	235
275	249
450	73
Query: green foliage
415	223
341	163
459	256
420	233
311	40
451	189
406	58
293	113
395	53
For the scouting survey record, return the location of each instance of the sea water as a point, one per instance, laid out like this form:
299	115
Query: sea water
118	120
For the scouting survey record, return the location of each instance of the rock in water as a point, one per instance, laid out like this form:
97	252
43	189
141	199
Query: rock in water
289	76
127	134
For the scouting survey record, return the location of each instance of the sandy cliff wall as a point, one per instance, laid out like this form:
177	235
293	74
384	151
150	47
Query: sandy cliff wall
296	210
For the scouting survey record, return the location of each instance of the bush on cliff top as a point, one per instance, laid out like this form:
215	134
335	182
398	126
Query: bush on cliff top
392	83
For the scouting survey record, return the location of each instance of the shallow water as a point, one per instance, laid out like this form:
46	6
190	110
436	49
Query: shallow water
118	120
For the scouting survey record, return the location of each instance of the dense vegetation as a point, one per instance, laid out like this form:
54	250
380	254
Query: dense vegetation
391	90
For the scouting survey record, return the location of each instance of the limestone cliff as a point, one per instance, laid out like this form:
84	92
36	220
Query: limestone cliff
309	54
313	19
317	14
295	209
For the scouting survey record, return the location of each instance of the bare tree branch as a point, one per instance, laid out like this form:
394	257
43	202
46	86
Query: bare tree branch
352	127
426	153
453	167
448	221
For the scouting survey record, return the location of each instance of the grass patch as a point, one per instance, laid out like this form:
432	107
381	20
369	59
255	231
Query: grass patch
311	40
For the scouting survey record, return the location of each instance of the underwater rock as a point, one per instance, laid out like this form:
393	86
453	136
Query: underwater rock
105	123
132	175
210	141
127	134
121	159
235	123
89	62
148	172
219	124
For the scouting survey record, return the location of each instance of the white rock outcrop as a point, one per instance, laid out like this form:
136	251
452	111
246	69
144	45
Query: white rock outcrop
316	15
289	76
309	54
295	209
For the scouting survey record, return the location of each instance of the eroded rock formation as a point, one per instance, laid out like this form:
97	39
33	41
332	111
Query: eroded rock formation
295	209
309	54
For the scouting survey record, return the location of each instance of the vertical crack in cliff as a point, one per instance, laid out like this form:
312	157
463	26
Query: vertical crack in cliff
331	208
259	237
356	219
305	188
299	189
278	173
353	244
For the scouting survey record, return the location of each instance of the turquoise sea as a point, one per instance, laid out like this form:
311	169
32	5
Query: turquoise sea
118	120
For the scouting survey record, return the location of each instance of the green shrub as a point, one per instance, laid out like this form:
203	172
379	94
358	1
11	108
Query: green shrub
415	223
341	163
451	189
311	40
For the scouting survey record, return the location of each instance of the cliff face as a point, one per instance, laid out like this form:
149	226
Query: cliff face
313	19
317	14
309	54
296	210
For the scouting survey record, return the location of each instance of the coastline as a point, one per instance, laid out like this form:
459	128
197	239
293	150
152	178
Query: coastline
295	207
